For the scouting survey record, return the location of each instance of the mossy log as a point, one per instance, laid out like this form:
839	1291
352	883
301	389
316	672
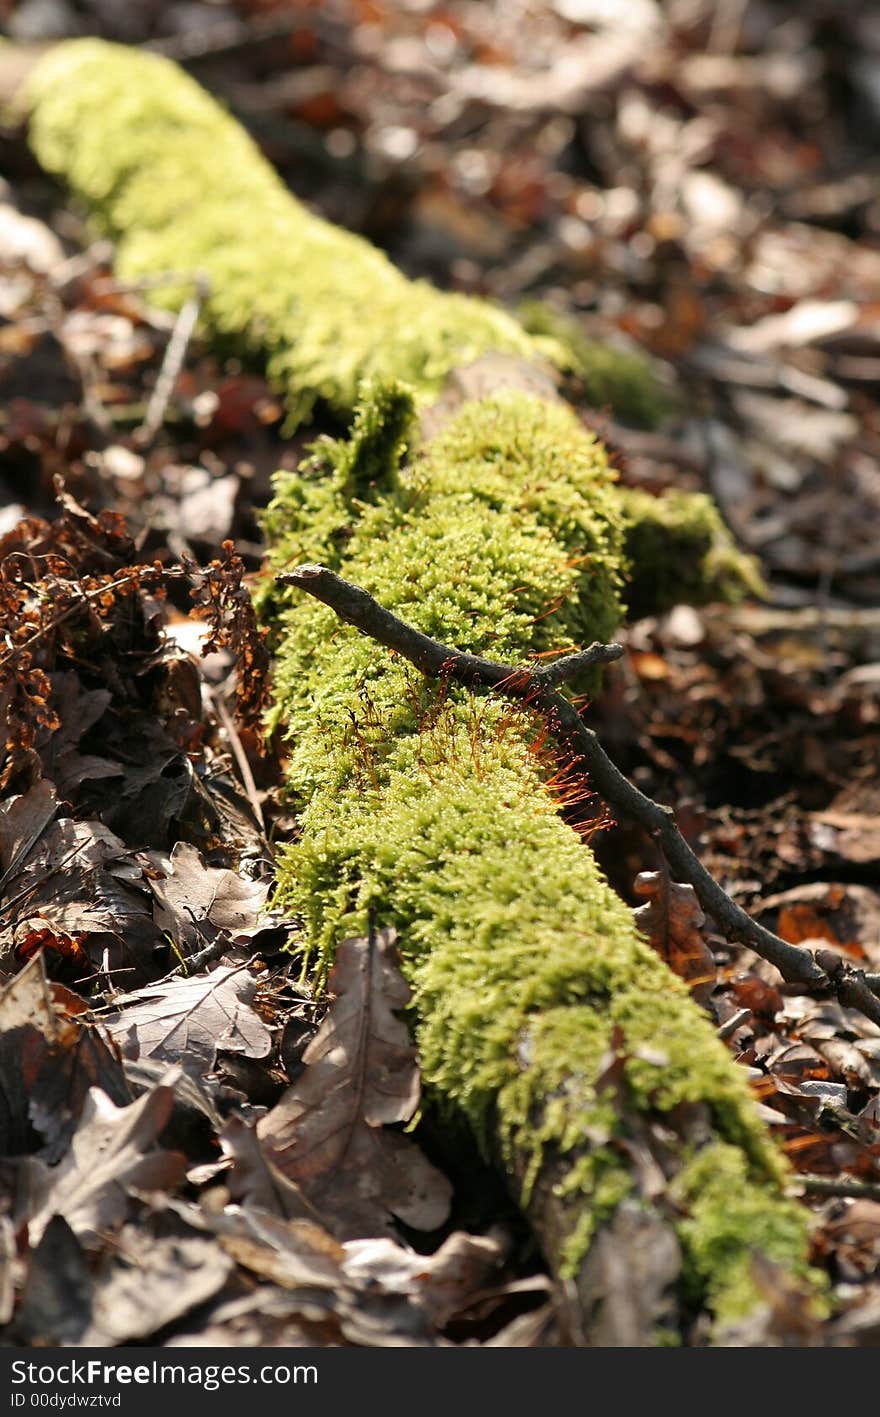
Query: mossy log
579	1060
577	1057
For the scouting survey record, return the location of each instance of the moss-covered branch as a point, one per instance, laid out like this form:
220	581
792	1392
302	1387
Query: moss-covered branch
442	815
436	660
542	1017
535	686
181	187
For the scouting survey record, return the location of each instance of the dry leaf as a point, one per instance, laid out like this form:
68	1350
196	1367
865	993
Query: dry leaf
147	1281
292	1253
111	1154
255	1181
197	903
442	1283
329	1131
671	921
845	914
56	1298
78	882
23	820
190	1020
804	323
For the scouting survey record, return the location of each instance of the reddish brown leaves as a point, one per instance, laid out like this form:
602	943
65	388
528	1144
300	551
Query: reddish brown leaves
817	913
672	920
224	601
72	596
329	1132
62	592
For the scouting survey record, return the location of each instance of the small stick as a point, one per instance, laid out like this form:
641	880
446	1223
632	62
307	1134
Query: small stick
535	687
839	1186
728	1029
240	756
175	354
430	656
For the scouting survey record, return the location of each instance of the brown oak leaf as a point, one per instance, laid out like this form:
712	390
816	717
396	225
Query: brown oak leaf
329	1132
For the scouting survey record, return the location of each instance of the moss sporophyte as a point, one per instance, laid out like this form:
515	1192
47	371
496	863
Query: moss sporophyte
505	534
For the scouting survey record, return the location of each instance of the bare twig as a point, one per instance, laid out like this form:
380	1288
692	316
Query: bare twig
535	687
241	759
728	1029
430	656
839	1186
175	354
224	38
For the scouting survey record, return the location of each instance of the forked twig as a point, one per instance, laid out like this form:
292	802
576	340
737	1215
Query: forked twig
535	686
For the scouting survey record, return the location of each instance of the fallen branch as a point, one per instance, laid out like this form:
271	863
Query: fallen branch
536	687
430	656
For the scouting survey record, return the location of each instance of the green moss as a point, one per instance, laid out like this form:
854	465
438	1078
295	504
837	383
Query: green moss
679	550
432	811
621	380
367	464
526	970
727	1226
502	535
180	187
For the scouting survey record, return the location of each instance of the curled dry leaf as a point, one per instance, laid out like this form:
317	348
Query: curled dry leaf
672	920
329	1130
112	1153
48	1062
443	1283
291	1253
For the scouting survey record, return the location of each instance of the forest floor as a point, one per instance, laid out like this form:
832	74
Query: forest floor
696	181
